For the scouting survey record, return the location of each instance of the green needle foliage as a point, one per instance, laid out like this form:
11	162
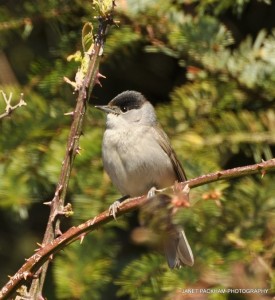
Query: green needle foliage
209	68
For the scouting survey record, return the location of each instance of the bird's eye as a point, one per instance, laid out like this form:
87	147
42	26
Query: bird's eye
124	108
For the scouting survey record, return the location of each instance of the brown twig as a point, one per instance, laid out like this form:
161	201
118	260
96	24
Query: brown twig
9	108
262	168
45	252
72	149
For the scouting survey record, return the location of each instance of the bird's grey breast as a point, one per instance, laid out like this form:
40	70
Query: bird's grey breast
134	160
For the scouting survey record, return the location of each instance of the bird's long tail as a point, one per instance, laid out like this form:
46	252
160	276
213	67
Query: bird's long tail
177	249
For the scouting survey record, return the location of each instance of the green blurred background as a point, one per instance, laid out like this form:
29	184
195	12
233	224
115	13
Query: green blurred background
209	68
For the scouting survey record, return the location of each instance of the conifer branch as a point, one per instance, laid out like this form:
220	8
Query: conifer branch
46	251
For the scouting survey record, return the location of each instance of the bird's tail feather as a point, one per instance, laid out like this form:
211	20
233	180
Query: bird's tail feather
177	249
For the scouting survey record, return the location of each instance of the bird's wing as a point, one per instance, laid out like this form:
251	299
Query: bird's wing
166	146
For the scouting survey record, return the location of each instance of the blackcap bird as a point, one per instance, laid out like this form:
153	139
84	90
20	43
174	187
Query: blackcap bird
138	156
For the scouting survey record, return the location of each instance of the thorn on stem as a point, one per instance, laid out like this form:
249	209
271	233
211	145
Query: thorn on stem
39	245
27	274
97	79
82	238
78	149
70	113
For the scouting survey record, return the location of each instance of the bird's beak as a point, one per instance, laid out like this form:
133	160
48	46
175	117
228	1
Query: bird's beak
107	109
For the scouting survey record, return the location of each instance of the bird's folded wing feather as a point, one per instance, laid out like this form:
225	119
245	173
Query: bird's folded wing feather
164	142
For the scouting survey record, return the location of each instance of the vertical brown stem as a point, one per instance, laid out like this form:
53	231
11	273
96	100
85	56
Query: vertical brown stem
57	204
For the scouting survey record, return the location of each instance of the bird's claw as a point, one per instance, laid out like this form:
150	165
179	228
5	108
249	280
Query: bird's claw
113	209
152	192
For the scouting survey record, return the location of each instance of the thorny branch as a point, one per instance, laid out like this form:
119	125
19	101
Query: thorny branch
9	108
90	78
46	251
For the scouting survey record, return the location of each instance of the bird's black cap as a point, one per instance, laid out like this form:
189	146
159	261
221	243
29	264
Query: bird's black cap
128	100
123	102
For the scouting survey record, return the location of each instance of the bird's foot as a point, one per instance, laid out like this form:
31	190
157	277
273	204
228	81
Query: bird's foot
152	192
114	208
